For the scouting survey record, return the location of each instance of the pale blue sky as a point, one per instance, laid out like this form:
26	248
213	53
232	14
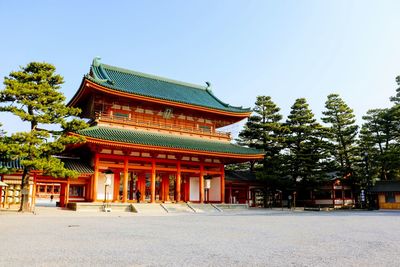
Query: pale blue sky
285	49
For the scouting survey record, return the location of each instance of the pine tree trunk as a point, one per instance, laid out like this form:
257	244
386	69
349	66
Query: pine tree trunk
24	197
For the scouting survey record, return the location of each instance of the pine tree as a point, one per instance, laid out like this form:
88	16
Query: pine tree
305	143
342	133
379	138
264	130
32	94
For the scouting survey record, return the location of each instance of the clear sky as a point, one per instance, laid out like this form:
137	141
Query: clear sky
285	49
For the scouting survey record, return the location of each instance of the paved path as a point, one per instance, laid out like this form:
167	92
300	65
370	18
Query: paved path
245	238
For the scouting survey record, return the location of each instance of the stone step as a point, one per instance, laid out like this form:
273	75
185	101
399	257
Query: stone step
203	207
232	207
177	207
148	208
85	206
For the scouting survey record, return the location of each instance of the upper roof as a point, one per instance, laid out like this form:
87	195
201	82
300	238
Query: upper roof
147	85
386	186
159	140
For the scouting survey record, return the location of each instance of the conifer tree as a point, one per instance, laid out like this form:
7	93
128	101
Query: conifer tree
379	137
342	133
32	94
264	130
305	143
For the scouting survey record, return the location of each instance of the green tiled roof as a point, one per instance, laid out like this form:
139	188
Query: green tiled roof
153	86
71	164
165	140
10	164
77	165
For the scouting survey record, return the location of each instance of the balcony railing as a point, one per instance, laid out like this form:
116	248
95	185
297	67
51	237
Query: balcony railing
160	125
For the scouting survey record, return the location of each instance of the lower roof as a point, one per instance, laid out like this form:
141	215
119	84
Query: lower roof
69	163
386	186
166	141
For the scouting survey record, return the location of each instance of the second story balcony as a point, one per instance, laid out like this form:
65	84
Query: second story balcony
160	125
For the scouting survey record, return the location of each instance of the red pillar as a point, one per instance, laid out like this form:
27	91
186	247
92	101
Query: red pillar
125	182
201	183
153	182
117	178
178	182
95	176
222	184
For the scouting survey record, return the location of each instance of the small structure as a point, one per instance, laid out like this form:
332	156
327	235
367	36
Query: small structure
336	193
388	194
242	187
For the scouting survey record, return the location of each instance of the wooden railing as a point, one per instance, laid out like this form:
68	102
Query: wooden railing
160	125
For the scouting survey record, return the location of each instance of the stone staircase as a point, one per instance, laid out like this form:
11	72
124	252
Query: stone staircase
199	208
177	208
85	206
148	208
231	207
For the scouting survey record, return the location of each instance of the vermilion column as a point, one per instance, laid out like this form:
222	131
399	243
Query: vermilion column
95	176
153	182
117	179
201	183
125	182
67	192
178	182
222	184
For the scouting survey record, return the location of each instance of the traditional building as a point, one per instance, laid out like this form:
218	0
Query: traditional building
150	135
386	194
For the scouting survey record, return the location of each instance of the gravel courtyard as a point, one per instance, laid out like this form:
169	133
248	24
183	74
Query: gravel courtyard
247	238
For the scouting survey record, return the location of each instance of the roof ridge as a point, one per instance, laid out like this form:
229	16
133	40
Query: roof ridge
152	76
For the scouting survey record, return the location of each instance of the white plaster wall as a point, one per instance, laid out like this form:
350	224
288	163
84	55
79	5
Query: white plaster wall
100	188
215	189
194	189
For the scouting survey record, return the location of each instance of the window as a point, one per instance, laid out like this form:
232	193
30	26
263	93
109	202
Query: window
323	194
389	197
76	191
338	194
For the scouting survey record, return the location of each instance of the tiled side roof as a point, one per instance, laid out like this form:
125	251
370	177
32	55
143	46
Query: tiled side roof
240	176
71	164
386	186
157	87
77	165
164	140
10	164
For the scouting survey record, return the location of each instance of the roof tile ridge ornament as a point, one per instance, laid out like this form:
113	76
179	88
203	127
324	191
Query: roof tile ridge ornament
209	90
100	75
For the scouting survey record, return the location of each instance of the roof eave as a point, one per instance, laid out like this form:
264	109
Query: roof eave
177	150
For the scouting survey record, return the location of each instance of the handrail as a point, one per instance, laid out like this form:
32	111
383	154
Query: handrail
160	125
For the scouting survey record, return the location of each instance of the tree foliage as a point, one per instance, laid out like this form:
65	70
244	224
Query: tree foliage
32	94
305	143
342	134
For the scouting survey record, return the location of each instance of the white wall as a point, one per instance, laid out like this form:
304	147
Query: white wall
100	188
215	189
194	189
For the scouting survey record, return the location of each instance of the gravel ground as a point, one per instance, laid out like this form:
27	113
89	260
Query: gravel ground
246	238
